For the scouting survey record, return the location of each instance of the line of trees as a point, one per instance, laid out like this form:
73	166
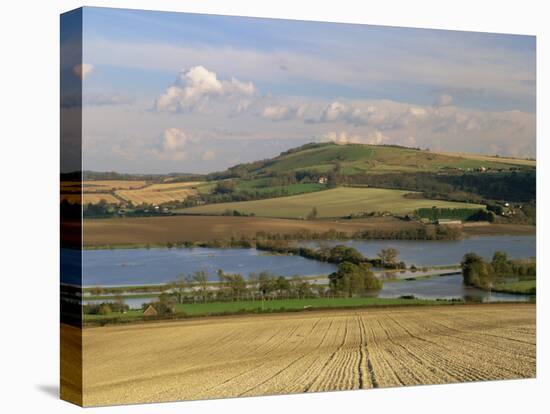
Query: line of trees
349	280
105	308
340	253
478	272
464	214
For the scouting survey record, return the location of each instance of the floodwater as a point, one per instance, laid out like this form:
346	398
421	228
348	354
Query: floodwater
161	265
444	252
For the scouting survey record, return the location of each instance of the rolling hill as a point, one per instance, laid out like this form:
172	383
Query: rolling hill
361	158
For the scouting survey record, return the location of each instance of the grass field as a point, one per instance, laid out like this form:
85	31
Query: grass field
337	202
215	308
261	185
500	160
306	352
162	230
523	286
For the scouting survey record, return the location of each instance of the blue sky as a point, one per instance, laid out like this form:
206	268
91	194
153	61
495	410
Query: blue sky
174	91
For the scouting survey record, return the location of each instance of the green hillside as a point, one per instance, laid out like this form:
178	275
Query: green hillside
357	158
336	202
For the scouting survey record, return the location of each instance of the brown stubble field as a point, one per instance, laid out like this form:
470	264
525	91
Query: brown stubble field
307	352
161	230
173	229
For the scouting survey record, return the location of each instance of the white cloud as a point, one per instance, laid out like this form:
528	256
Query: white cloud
195	87
279	112
374	137
83	70
175	144
337	111
469	68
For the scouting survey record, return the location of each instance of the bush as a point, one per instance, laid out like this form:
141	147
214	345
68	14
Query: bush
104	308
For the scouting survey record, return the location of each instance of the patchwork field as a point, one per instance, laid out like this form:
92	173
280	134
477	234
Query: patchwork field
137	192
307	352
337	202
89	198
108	185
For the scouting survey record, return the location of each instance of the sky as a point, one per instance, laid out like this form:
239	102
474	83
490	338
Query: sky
175	92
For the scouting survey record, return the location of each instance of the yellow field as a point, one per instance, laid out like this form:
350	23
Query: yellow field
137	192
307	352
160	193
104	185
157	196
174	186
89	198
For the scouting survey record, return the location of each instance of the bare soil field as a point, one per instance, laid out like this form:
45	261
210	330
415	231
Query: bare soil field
161	230
173	229
307	352
496	229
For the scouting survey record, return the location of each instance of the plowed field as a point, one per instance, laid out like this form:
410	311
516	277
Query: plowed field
307	352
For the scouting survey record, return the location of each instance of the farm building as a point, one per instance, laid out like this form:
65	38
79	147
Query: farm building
449	222
150	311
323	180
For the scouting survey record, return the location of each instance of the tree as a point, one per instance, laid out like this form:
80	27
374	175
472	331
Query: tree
301	287
500	263
283	286
266	284
200	277
234	284
342	253
352	279
388	256
224	187
104	309
179	287
475	271
312	215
